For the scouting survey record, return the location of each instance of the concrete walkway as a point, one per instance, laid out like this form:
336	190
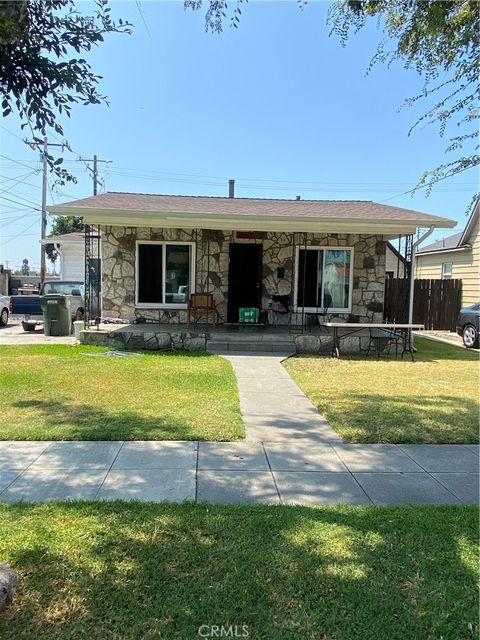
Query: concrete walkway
291	455
239	472
274	408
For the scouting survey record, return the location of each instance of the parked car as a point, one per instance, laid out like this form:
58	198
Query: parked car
5	308
468	325
30	305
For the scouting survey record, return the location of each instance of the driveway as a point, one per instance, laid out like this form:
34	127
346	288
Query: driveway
13	333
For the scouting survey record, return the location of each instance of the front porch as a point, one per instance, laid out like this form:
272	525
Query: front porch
227	338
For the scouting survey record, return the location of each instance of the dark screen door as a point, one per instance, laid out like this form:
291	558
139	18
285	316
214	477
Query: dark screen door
244	278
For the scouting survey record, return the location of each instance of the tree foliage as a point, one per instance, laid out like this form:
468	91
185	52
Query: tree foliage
39	78
60	226
440	40
216	12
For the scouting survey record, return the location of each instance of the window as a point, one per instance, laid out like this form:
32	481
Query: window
447	269
389	274
324	279
164	273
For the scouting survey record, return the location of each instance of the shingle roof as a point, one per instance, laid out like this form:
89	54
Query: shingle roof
212	206
445	244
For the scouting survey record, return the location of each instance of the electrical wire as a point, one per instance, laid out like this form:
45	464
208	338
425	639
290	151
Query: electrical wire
18	162
16	218
22	233
19	180
29	202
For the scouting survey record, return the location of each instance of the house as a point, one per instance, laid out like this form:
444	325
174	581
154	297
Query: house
395	263
455	257
156	250
71	249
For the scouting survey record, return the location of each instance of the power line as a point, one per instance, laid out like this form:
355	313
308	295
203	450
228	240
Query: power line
423	186
21	203
17	162
22	233
19	180
15	218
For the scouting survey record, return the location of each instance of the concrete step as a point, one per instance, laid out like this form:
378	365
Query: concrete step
251	339
233	347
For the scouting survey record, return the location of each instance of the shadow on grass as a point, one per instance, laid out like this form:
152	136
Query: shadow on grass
378	418
65	421
143	571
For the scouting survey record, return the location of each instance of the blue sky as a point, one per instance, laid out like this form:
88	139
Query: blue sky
276	104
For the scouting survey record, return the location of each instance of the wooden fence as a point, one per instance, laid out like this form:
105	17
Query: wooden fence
436	303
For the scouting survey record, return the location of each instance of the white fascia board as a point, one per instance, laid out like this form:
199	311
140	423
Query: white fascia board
48	240
442	251
171	220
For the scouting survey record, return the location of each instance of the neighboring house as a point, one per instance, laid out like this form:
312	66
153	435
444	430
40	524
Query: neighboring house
457	257
71	249
394	263
158	249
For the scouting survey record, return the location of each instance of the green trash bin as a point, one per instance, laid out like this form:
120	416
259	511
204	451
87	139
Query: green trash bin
57	315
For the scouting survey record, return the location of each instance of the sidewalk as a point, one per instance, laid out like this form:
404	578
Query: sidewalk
291	455
239	472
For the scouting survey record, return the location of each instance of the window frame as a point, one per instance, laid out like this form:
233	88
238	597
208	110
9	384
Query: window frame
164	243
297	307
448	276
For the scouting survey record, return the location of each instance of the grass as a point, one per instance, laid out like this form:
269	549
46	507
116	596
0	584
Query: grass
58	392
432	400
106	571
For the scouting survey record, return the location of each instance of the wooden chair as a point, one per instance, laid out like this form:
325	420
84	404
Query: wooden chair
201	305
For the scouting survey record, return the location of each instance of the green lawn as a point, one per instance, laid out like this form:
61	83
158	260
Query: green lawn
58	392
434	399
105	571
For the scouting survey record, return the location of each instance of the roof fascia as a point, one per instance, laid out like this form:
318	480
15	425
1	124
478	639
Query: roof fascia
470	223
130	218
442	251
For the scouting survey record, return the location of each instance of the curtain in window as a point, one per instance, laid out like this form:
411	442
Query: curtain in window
337	278
323	279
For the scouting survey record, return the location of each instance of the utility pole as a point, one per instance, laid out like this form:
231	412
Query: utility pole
43	232
43	227
95	161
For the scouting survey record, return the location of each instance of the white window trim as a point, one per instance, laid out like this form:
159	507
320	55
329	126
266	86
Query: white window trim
297	308
164	243
446	276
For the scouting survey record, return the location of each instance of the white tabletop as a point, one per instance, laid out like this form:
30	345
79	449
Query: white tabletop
373	325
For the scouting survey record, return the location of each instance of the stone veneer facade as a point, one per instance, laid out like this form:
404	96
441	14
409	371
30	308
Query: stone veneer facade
118	268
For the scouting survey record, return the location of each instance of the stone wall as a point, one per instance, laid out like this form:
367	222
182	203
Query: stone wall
212	256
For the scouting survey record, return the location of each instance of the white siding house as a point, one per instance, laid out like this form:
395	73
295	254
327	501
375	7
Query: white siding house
71	249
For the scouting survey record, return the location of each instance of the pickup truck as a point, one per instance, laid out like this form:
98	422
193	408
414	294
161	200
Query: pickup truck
29	305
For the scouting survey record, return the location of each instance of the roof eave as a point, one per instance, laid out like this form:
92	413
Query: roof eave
470	222
437	251
129	217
